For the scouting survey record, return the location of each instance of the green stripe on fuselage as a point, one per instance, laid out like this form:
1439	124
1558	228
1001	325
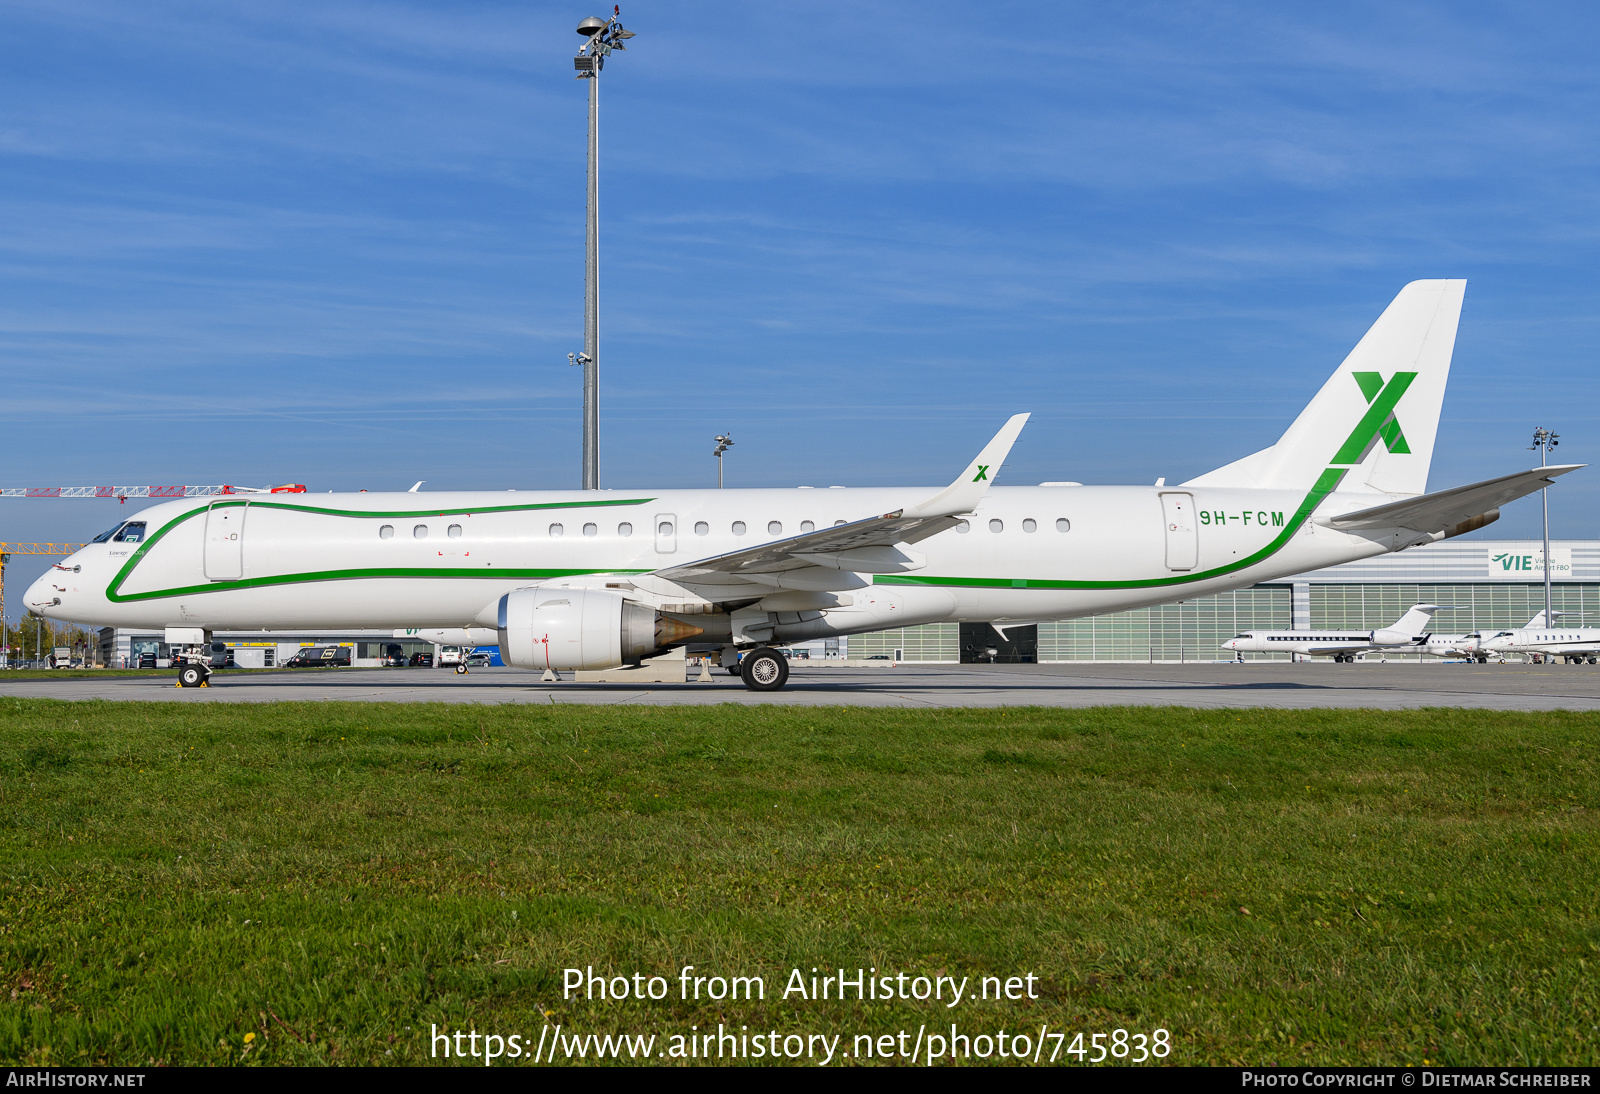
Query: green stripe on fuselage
1326	483
115	596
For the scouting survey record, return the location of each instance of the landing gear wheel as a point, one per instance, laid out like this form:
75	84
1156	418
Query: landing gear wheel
764	669
191	676
461	670
733	669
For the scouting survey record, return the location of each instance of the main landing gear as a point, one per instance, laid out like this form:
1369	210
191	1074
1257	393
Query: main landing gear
764	669
461	669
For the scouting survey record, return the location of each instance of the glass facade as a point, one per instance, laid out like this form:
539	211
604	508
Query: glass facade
1194	630
1500	605
934	642
1190	631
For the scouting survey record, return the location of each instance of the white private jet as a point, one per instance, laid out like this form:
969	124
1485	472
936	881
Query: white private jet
1575	645
1470	645
1339	645
568	579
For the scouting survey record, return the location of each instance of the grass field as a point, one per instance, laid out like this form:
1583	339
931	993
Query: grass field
323	882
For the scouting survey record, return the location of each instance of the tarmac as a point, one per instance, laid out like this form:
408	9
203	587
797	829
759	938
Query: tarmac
1374	685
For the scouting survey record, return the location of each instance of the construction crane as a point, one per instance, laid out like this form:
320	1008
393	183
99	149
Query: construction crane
9	549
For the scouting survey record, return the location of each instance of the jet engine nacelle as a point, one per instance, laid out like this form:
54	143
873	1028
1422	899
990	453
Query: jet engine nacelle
582	629
1394	638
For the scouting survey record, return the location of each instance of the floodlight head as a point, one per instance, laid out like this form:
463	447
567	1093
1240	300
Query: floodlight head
591	26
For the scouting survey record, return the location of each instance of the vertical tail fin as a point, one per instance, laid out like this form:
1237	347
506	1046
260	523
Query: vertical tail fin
1378	413
1417	618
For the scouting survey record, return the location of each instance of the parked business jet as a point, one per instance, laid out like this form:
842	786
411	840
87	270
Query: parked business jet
1575	645
1340	645
582	580
1470	645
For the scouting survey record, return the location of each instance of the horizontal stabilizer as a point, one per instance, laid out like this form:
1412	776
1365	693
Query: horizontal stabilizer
1443	510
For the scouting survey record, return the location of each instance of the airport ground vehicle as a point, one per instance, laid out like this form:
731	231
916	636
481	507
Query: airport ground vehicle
737	574
450	656
60	658
320	657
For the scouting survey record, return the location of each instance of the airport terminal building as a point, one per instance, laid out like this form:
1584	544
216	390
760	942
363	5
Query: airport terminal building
1487	583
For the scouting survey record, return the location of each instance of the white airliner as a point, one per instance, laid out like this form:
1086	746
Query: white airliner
1574	645
1340	645
566	579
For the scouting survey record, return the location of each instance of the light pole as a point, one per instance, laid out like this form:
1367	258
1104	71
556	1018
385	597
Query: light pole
603	37
724	442
1544	440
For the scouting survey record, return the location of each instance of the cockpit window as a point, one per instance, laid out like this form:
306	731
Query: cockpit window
1241	636
107	534
132	532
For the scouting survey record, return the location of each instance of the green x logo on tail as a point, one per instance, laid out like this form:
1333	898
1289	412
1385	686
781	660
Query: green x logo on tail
1378	423
983	473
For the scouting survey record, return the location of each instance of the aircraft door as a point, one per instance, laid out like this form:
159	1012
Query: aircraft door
666	533
225	540
1183	532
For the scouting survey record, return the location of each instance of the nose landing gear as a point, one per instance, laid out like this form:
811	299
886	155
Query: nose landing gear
193	675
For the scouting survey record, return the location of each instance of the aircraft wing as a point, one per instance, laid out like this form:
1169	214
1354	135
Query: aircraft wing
830	557
1444	509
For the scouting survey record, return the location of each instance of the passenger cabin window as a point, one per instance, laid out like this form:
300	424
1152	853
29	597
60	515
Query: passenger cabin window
738	527
591	529
808	526
664	528
997	525
624	529
386	532
837	522
132	532
1063	524
420	531
1030	525
556	531
701	528
775	527
963	528
454	531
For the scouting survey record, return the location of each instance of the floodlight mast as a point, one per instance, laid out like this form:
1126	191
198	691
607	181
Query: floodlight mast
1543	441
603	37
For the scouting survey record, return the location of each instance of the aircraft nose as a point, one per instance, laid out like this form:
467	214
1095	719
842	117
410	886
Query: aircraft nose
42	595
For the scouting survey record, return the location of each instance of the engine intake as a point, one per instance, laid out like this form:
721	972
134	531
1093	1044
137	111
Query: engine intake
582	629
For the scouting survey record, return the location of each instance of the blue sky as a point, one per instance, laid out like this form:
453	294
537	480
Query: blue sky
342	243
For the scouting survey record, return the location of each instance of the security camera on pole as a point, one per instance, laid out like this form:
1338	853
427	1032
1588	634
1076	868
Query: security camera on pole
603	37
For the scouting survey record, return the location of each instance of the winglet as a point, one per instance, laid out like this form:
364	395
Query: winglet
963	495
